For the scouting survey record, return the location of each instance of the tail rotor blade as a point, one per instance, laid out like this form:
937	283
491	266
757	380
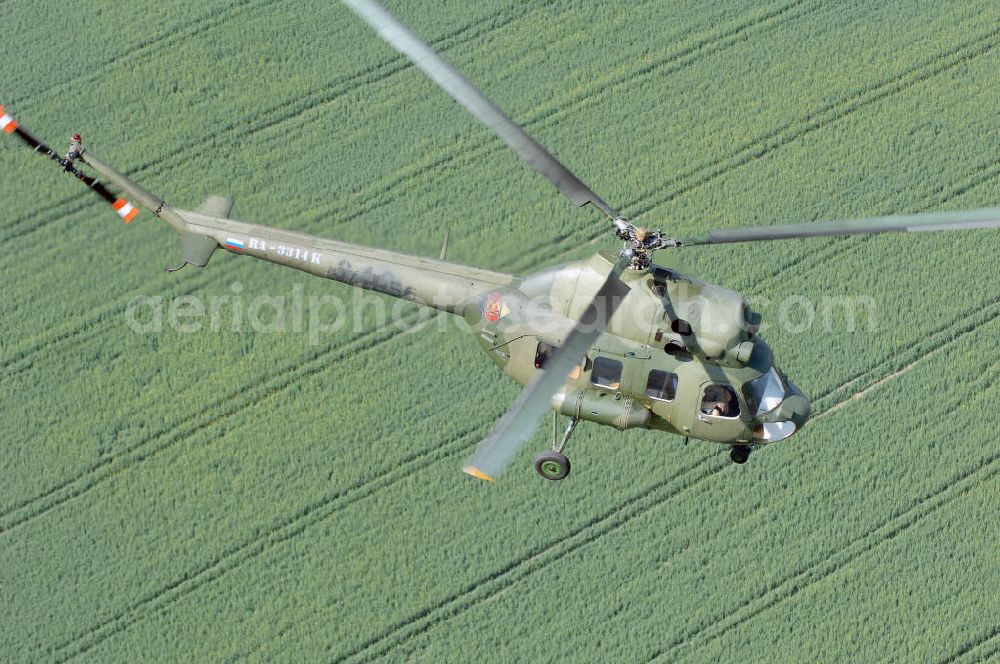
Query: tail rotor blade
122	207
11	126
7	123
522	418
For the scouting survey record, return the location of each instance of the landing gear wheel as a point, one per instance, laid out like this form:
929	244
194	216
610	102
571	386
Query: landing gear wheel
552	465
739	454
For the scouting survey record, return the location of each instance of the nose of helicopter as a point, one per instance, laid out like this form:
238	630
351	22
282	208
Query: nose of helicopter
790	416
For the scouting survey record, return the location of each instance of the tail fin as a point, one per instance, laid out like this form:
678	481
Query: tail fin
219	207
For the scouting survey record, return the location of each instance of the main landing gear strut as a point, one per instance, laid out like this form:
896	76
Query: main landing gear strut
553	464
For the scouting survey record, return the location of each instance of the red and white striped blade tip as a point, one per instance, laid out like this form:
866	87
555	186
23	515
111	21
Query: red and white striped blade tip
7	123
125	210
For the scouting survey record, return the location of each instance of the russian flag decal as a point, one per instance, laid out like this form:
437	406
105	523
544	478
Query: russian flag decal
234	244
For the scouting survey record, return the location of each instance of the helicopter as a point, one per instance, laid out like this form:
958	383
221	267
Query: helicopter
615	339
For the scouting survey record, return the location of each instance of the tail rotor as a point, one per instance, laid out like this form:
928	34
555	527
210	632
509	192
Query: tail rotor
122	207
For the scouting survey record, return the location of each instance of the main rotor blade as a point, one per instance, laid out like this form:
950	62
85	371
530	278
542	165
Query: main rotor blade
522	418
404	40
905	223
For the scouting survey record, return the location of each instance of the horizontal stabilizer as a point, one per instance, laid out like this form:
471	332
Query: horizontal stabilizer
197	249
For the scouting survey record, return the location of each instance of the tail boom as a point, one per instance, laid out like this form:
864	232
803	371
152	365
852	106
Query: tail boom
434	283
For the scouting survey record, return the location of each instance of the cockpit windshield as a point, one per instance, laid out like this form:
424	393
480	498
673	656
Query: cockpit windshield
764	393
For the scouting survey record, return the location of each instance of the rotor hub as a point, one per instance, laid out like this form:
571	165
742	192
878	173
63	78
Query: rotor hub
641	242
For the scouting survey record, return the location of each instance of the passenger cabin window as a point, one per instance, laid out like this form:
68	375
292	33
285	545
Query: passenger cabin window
607	373
720	401
661	385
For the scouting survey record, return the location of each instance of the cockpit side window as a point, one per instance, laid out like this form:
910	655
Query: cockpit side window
661	385
720	401
606	373
543	353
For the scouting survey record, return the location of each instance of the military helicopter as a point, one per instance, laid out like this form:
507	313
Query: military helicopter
615	339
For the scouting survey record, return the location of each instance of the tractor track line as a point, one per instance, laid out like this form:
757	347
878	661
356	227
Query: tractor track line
982	175
116	307
250	548
589	97
349	348
893	532
883	380
447	608
407	173
430	624
928	344
144	47
287	528
932	340
296	107
764	145
119	305
425	612
984	379
191	286
187	427
994	649
22	359
544	118
532	561
29	365
701	45
974	644
826	567
514	565
287	110
644	71
838	110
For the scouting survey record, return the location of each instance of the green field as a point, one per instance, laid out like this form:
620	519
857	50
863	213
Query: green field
229	495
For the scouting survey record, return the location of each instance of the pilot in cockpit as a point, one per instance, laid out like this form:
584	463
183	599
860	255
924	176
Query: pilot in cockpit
719	401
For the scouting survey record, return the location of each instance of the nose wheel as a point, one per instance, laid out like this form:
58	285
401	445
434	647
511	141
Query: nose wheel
553	464
739	454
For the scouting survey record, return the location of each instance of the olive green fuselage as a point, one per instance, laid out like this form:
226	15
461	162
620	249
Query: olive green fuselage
696	334
679	355
669	324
